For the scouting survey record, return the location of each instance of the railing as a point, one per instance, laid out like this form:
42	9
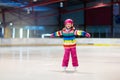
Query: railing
26	33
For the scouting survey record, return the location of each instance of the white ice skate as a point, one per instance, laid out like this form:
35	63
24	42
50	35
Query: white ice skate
75	68
64	69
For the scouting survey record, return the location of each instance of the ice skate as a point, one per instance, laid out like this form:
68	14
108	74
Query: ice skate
64	69
75	68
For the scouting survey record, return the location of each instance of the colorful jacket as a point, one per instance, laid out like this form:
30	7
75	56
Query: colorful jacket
69	36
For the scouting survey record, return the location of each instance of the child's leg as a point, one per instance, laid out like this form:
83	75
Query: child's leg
74	57
66	57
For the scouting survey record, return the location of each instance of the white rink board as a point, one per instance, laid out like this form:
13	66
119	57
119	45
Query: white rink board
59	41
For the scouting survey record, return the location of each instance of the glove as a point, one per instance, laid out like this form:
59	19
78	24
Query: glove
52	36
87	35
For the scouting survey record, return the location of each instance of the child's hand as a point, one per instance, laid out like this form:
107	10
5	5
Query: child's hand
87	35
52	36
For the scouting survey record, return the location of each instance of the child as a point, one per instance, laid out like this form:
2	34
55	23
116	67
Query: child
68	33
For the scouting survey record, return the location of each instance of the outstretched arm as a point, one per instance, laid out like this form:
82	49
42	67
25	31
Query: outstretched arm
81	33
57	34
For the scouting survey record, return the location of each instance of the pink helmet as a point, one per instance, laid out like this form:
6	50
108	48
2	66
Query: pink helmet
68	21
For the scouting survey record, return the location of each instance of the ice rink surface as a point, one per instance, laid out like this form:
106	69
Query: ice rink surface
44	63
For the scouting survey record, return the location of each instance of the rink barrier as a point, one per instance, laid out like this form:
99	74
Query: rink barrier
11	45
59	42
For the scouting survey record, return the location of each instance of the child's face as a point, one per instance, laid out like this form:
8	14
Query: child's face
68	25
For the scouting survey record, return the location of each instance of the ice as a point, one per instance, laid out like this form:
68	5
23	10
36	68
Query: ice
44	63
